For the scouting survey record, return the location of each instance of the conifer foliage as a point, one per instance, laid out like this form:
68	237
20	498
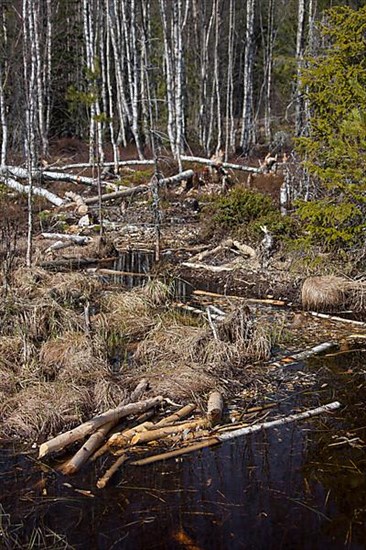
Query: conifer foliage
335	85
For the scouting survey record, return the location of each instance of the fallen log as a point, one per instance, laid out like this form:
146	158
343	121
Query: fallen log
97	438
116	430
76	239
124	438
74	263
67	438
39	191
81	207
22	173
102	482
187	174
302	355
109	164
215	407
336	319
269	301
279	422
59	245
238	433
229	165
177	452
160	433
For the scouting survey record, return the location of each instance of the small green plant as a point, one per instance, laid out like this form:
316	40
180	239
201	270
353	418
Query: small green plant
245	211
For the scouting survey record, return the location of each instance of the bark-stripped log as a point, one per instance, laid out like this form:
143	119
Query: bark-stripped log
229	165
187	174
154	435
102	482
67	438
136	162
76	239
97	438
22	173
237	433
16	186
215	407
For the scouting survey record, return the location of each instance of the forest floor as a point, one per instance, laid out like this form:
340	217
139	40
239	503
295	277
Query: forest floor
80	320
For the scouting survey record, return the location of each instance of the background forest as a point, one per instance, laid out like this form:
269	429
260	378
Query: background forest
201	75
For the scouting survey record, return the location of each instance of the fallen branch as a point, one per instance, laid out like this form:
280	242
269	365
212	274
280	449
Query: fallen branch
177	452
108	164
16	186
337	319
213	268
102	482
67	438
187	174
208	162
22	173
117	430
279	422
238	433
76	239
59	245
160	433
298	357
97	438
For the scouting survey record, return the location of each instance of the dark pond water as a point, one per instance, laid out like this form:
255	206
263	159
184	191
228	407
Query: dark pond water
289	487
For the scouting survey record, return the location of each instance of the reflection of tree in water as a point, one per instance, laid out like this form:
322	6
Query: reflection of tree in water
334	464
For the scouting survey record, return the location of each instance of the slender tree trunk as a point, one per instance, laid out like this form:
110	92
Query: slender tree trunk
229	115
300	46
247	116
268	72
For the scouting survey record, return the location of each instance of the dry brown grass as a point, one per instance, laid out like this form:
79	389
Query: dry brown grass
45	408
330	293
11	351
184	359
129	315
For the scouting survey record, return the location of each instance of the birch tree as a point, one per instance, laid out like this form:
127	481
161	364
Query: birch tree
300	48
247	112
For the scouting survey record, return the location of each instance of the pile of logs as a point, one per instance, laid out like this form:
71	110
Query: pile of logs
111	433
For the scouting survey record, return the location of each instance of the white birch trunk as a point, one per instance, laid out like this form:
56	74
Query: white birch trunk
247	116
300	45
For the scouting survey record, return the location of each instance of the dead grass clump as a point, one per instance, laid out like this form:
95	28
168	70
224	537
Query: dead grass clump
8	384
45	408
184	359
324	293
331	293
74	358
108	393
157	292
11	351
125	315
28	281
71	288
356	296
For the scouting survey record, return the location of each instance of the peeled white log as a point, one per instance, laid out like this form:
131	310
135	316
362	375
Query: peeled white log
77	239
279	422
210	162
302	355
337	319
237	433
108	164
22	173
13	184
187	174
67	438
59	245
